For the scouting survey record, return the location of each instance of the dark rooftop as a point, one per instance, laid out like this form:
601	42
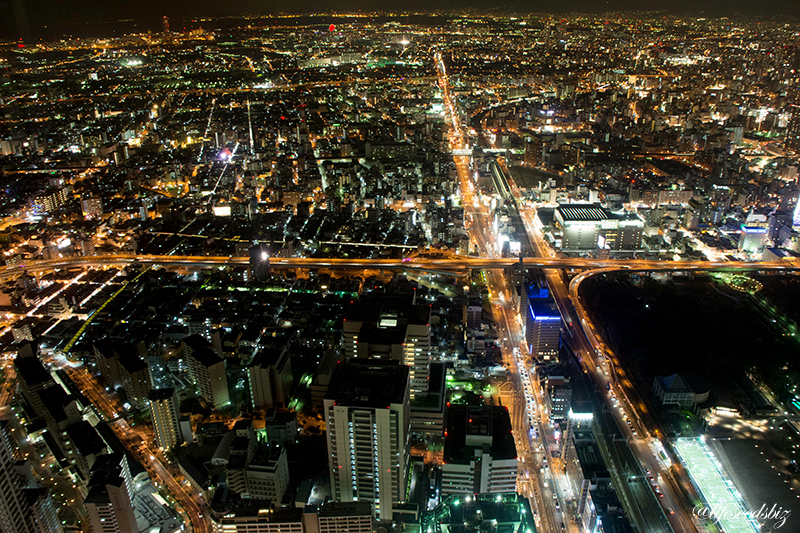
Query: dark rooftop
268	357
485	421
161	394
86	438
345	509
368	385
31	370
206	356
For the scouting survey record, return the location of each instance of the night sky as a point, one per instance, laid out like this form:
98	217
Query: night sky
91	18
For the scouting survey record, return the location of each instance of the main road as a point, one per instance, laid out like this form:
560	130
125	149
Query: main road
189	508
551	516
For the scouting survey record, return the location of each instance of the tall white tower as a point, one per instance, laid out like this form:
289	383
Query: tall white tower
368	418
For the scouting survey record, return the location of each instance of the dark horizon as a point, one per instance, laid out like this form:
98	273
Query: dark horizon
44	20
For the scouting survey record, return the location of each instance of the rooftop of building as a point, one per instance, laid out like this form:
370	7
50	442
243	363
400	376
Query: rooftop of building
131	361
86	438
228	504
279	416
266	455
674	384
368	384
487	421
206	356
342	509
195	342
55	399
390	333
270	357
31	370
385	308
106	470
583	212
161	394
591	463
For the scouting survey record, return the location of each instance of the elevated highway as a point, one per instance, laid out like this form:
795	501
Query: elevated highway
456	265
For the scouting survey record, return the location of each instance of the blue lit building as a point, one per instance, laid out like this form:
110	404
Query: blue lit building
542	322
753	239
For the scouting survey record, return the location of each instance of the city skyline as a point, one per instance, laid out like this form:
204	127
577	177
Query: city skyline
404	272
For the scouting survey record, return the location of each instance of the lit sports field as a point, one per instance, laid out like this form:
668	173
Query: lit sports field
717	491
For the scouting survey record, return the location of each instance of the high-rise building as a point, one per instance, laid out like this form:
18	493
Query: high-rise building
24	506
163	405
120	366
136	379
558	397
473	314
206	371
42	512
262	472
107	363
49	201
542	321
367	418
394	328
479	451
92	207
33	379
259	262
108	503
12	512
583	465
270	378
793	129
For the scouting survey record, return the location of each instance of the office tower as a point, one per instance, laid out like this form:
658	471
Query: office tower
92	207
270	378
260	472
108	503
367	416
394	328
136	379
542	321
479	451
83	446
41	510
206	371
33	380
164	415
259	262
107	363
473	312
558	396
12	512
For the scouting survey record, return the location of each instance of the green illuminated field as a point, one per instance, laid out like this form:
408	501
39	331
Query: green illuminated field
717	491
